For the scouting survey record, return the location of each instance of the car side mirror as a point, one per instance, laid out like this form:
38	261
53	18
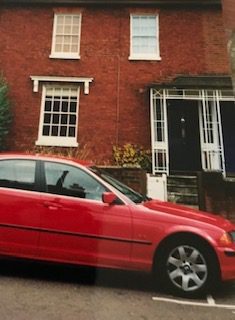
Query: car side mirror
109	197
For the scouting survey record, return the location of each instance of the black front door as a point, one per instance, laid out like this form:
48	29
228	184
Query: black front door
228	121
183	135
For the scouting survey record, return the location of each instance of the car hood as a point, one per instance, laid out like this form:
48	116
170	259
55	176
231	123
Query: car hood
189	213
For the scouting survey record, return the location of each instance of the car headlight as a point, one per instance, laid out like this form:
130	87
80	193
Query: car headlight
227	238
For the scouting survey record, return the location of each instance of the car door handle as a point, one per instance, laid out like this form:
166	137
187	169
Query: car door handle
52	205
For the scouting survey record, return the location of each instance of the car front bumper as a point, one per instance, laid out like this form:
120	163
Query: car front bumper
227	263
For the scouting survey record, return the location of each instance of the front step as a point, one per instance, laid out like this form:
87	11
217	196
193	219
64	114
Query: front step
182	189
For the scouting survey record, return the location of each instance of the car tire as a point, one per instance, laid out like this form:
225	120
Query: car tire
187	267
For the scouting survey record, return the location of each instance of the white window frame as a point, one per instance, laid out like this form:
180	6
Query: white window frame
60	141
62	54
144	56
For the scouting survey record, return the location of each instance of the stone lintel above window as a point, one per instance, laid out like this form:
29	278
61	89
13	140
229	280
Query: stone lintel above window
37	79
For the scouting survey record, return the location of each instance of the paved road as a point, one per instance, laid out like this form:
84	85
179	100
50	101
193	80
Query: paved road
47	292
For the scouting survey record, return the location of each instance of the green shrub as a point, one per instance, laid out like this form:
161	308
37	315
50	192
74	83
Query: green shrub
131	155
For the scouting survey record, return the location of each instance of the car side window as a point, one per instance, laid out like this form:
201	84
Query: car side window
71	181
18	174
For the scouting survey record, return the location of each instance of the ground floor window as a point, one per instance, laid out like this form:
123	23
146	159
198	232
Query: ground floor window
59	116
190	130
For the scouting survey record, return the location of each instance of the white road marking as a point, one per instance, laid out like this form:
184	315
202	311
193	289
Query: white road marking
191	303
210	300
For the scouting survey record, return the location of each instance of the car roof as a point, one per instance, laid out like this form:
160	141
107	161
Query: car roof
45	157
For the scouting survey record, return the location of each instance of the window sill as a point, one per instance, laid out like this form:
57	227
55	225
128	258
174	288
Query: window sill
50	142
64	56
145	58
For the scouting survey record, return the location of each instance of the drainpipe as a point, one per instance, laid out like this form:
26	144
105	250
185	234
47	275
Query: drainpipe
118	102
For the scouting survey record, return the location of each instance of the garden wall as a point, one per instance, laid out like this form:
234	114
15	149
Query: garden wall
217	194
135	178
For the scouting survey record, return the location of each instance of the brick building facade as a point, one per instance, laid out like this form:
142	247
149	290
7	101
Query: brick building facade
92	87
229	22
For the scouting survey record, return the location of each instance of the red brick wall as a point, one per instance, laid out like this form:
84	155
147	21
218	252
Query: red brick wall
217	195
229	13
229	22
214	40
135	178
117	108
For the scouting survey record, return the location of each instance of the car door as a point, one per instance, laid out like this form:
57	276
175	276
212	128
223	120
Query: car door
76	225
20	207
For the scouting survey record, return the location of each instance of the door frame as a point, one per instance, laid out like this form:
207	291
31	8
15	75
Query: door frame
211	136
159	124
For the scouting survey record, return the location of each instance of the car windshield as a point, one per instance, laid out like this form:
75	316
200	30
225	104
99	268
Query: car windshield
124	189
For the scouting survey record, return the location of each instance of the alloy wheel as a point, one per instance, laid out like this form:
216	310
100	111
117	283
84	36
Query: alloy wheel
187	268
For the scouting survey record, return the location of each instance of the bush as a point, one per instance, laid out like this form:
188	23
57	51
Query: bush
130	155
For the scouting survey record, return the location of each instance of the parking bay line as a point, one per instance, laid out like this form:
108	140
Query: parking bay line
210	300
211	303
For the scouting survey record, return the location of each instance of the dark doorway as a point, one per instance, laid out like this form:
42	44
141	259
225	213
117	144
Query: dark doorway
184	136
228	127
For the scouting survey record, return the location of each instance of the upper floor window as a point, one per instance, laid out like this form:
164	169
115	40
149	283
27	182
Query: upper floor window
144	33
66	36
59	116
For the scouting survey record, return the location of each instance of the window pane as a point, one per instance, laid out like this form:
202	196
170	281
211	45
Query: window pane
47	118
75	29
47	105
63	131
64	118
67	39
67	29
76	20
68	20
58	47
56	118
74	48
66	48
56	106
71	181
60	19
59	40
46	131
71	132
65	105
72	119
54	131
59	29
19	174
73	106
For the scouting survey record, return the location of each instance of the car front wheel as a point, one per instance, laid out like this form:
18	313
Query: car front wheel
187	267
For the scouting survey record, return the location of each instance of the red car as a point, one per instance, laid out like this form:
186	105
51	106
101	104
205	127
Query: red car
59	210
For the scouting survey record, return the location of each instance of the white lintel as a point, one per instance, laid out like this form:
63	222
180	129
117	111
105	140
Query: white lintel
37	79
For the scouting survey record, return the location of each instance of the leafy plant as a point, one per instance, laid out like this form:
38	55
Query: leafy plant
131	155
5	114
